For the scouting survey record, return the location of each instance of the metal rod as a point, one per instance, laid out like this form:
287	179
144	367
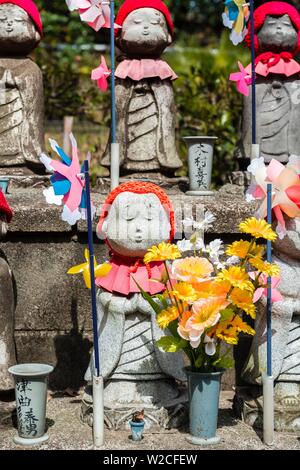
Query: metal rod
113	83
253	73
92	270
269	293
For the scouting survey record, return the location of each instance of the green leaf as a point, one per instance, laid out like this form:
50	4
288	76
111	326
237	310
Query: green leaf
157	309
199	361
170	344
224	363
226	314
163	300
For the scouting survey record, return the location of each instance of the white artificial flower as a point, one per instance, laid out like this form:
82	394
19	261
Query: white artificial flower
71	217
46	161
232	260
51	197
255	165
210	346
185	245
215	247
226	21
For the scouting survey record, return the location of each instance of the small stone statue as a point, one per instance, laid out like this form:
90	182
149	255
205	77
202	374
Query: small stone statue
145	102
7	344
277	41
21	88
137	375
285	339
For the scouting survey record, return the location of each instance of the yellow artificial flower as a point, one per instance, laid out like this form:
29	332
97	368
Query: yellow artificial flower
101	270
165	317
184	291
243	299
258	228
237	276
164	251
241	249
229	330
268	269
192	269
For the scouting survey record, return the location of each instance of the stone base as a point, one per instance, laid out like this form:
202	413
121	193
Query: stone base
25	181
198	441
171	185
200	193
248	406
21	441
170	412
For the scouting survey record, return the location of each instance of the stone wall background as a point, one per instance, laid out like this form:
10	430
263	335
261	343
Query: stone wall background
53	314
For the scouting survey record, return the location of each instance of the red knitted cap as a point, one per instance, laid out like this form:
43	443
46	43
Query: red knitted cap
4	207
273	9
30	7
131	5
138	187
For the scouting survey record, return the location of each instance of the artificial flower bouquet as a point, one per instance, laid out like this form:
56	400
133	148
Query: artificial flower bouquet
209	295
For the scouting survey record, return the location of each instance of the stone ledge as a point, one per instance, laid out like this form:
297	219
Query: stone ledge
33	214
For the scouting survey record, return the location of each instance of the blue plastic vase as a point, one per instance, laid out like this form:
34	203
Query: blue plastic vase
204	394
137	430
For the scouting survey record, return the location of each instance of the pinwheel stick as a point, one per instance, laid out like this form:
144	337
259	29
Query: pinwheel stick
115	148
267	379
253	73
98	401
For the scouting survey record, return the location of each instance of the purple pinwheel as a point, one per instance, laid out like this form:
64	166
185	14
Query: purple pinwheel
68	185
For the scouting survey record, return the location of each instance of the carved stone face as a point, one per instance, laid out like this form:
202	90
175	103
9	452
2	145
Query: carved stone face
290	244
135	223
144	33
277	34
18	35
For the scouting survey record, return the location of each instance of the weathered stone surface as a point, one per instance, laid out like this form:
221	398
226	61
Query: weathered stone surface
21	92
7	344
277	100
68	351
145	104
40	248
286	334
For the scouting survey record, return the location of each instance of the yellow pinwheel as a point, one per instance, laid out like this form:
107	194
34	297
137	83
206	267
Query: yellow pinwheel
101	270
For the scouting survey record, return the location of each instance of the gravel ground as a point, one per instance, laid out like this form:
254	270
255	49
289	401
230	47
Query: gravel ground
68	433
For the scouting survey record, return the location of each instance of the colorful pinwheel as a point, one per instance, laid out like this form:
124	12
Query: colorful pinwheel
235	17
242	79
285	189
68	185
96	13
100	74
101	270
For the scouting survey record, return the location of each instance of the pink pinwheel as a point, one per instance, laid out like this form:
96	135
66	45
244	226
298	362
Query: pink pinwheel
68	186
286	190
96	13
100	74
242	79
263	291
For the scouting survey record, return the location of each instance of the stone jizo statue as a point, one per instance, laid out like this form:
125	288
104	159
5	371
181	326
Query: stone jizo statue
7	307
277	41
285	338
137	374
21	88
146	114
